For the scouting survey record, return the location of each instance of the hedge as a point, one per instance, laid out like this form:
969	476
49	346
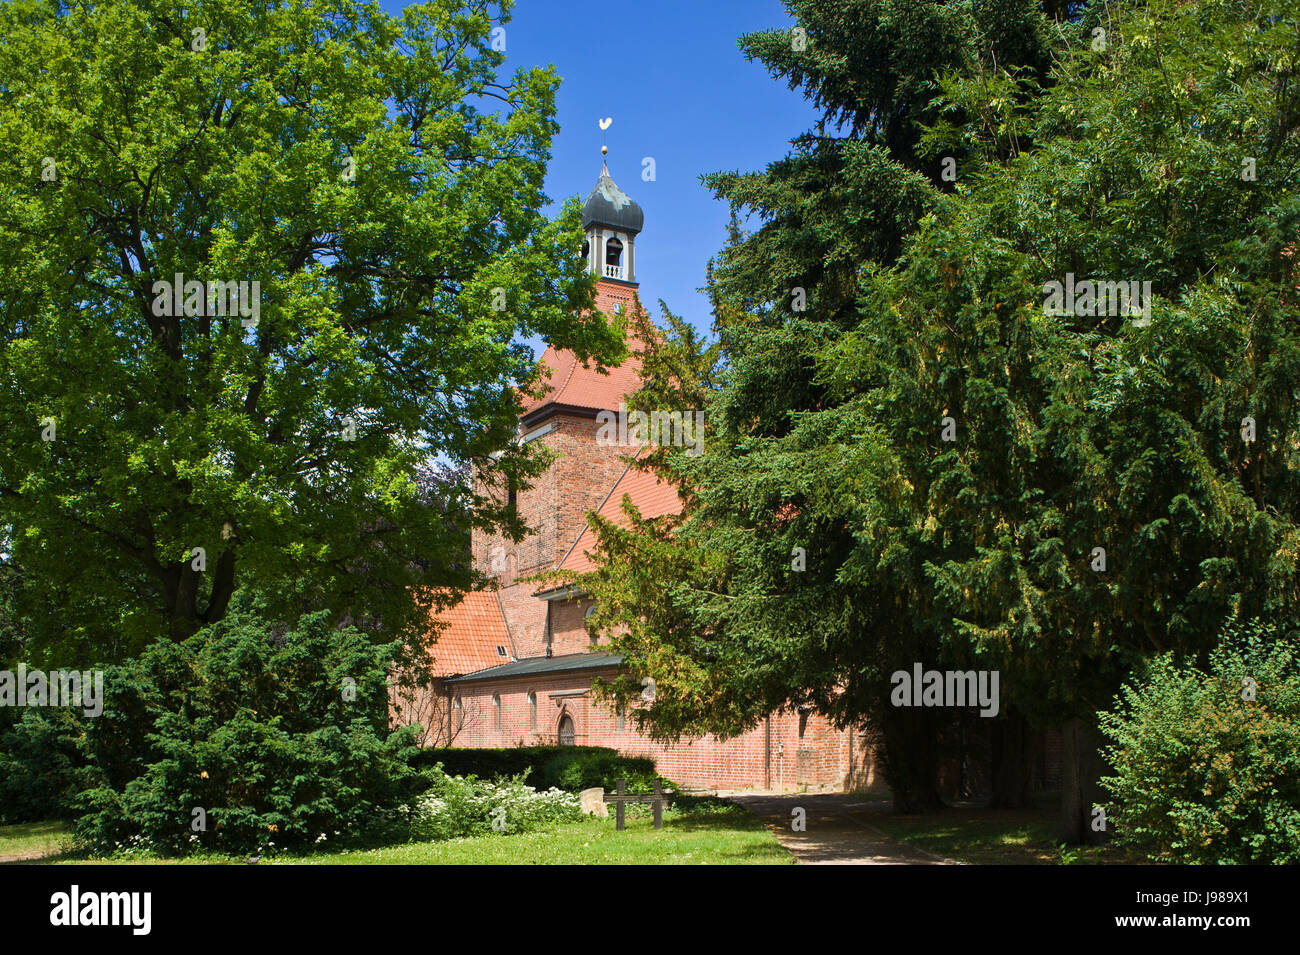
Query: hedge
571	768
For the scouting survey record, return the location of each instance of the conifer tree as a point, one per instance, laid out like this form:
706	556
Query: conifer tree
929	463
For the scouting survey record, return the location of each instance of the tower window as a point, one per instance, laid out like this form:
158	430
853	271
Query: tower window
586	249
614	252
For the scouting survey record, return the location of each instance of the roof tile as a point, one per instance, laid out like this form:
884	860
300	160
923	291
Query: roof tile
578	384
651	497
474	629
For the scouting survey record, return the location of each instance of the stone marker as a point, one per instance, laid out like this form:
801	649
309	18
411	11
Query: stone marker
593	802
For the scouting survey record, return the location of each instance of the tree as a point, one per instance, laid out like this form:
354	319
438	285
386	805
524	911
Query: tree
261	262
922	465
780	588
1120	501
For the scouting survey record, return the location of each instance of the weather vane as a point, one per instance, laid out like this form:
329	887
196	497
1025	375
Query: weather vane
604	125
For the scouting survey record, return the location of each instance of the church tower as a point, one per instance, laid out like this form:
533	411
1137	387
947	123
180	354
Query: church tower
611	221
515	663
565	421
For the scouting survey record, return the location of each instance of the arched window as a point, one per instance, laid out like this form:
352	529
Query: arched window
613	251
460	714
566	731
532	710
620	718
496	712
613	268
586	249
595	637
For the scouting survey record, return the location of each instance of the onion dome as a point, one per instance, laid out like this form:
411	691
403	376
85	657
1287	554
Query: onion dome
608	205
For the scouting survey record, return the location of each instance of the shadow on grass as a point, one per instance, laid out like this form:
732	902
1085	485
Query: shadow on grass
969	831
32	843
689	823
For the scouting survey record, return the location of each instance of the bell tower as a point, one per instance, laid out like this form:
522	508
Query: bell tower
611	221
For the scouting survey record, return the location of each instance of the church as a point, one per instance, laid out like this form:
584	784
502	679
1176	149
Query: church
514	664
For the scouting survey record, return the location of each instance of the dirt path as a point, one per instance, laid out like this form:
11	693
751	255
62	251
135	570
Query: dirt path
836	832
30	855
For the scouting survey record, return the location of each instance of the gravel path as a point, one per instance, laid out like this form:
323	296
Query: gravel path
836	833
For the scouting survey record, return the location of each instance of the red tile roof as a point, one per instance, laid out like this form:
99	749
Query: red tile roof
580	385
475	627
652	498
473	630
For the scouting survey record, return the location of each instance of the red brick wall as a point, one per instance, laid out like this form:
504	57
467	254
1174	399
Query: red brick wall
569	625
609	294
818	758
555	508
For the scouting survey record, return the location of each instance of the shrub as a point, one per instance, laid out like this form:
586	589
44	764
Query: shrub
457	806
254	728
488	763
576	771
1201	774
42	765
571	768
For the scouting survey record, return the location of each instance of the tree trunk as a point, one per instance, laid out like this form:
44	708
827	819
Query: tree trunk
1010	768
1081	767
912	759
223	588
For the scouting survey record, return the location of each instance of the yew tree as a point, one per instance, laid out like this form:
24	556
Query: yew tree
910	458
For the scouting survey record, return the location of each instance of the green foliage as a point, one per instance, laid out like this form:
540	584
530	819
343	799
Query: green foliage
454	807
925	300
572	768
713	607
576	770
340	156
254	725
42	764
1203	776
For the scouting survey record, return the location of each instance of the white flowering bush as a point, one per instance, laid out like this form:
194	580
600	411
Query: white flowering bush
458	806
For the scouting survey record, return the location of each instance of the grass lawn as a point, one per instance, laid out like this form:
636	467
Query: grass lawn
702	832
31	839
725	839
698	832
967	833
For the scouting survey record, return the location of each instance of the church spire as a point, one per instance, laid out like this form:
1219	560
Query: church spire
611	221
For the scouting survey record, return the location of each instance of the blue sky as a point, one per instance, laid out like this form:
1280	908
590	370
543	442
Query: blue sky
670	75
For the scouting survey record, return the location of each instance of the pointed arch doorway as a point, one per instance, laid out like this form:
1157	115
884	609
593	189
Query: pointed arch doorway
565	733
